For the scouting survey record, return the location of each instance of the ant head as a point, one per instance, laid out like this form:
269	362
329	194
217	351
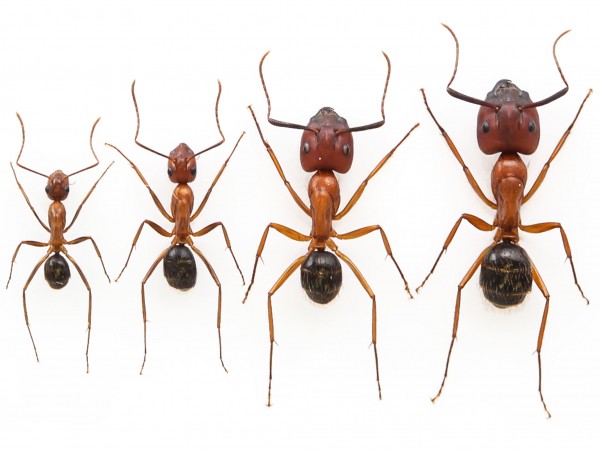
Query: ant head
57	188
327	143
507	124
182	165
508	121
182	160
327	139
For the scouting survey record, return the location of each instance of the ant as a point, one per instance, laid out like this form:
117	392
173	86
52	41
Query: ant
179	266
508	123
56	267
326	146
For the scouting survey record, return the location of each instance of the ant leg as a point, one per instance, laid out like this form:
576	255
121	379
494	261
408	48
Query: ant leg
461	285
89	238
144	317
542	287
289	187
33	244
282	279
363	185
371	294
89	326
155	199
557	149
33	272
218	283
456	154
152	225
87	196
209	191
542	228
366	230
292	234
473	220
27	199
207	229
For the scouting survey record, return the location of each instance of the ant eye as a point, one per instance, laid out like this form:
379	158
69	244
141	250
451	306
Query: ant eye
67	189
306	147
346	149
531	126
193	171
485	126
47	189
170	171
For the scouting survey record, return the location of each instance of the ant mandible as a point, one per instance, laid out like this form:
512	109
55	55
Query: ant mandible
326	146
179	266
56	267
508	123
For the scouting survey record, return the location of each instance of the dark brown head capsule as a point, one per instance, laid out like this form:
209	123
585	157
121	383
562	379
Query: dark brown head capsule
321	276
505	276
326	145
182	165
179	268
508	128
57	188
56	271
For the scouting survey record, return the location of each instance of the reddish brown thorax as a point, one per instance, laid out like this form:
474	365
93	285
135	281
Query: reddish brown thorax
182	165
325	146
324	195
57	188
510	128
509	177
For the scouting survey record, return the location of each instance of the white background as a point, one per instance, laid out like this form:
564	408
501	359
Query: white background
63	64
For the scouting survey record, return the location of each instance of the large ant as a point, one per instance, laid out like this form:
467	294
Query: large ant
179	266
56	267
326	146
508	124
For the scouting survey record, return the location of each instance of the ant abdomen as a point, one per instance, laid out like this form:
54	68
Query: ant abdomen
179	267
505	276
321	276
56	271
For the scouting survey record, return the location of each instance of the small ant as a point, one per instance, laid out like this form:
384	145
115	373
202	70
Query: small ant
508	123
56	268
326	146
179	266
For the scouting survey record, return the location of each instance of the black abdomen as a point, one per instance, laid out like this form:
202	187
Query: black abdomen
56	271
179	268
321	276
505	276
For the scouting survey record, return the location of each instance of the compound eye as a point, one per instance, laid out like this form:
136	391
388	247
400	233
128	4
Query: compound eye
67	188
306	147
47	189
193	171
532	127
485	126
346	149
170	171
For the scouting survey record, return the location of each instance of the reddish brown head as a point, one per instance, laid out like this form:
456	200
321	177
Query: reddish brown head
57	188
182	165
326	143
508	121
327	139
510	126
